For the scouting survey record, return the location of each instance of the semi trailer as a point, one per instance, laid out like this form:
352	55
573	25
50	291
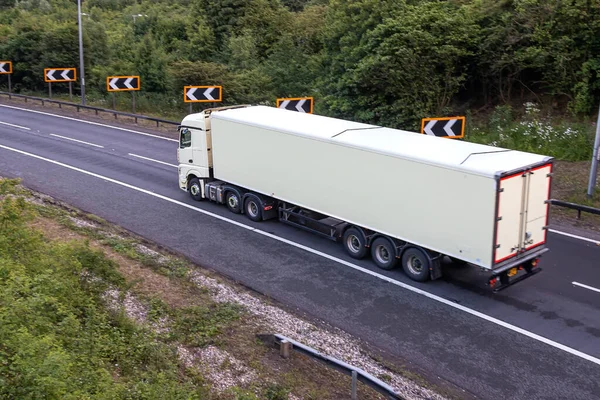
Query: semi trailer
399	197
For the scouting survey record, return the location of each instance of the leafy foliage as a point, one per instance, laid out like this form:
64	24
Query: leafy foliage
536	133
381	62
57	338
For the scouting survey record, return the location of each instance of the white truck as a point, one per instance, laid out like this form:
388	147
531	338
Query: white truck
399	197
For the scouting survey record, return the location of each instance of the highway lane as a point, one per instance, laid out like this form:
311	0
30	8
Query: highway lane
155	146
358	303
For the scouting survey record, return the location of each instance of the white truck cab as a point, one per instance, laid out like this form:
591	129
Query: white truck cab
194	155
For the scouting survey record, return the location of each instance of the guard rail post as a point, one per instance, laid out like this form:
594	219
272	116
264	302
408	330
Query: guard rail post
357	374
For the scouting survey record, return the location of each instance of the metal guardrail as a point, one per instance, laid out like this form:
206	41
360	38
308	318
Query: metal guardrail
356	373
580	208
96	109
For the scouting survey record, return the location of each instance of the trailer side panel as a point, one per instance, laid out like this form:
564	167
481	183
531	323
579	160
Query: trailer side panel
438	208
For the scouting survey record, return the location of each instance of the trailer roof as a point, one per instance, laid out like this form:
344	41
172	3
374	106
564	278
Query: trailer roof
448	153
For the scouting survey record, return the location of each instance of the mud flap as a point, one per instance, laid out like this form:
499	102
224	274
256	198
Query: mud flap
435	271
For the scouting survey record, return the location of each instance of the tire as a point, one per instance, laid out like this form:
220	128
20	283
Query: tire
354	243
195	189
416	264
253	208
383	253
233	202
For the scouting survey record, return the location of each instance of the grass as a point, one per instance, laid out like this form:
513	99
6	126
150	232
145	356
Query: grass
61	335
58	339
536	131
570	184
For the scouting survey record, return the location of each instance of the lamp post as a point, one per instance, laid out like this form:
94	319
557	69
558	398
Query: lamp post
595	160
81	70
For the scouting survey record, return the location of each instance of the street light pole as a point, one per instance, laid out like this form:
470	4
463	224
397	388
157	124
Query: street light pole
81	71
595	159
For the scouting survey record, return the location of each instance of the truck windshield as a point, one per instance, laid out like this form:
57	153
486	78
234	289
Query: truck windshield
185	138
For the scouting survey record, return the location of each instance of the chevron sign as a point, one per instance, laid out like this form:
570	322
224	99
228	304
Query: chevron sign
202	94
59	75
300	104
5	67
122	83
447	127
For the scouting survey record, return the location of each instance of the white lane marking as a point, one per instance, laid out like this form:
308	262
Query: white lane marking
329	257
586	286
91	123
75	140
15	126
596	242
152	159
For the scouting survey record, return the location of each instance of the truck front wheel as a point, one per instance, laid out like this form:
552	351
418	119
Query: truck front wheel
195	189
383	253
416	264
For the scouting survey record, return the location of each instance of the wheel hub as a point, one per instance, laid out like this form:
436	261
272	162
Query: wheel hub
253	209
415	265
383	254
353	243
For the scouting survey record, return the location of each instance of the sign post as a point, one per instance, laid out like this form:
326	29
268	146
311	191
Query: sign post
446	127
202	94
595	160
60	75
6	69
300	104
123	84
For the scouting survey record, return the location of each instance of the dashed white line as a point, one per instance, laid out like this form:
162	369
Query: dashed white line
91	123
330	257
152	159
596	242
586	286
15	126
75	140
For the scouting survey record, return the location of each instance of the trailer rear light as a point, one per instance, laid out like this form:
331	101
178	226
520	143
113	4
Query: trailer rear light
267	208
534	263
492	282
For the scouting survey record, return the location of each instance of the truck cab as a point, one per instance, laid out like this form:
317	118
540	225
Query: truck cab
193	153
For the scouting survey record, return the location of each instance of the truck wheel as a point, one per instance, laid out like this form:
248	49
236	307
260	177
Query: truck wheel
254	208
354	243
416	264
233	202
195	189
383	253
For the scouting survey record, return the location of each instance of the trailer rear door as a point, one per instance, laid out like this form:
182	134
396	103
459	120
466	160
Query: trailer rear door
522	212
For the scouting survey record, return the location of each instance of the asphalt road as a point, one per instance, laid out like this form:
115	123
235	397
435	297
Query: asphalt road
539	339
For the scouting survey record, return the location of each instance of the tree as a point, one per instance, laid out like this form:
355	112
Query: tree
394	66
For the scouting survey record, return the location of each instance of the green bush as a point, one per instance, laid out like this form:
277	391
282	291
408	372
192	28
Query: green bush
536	134
57	338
